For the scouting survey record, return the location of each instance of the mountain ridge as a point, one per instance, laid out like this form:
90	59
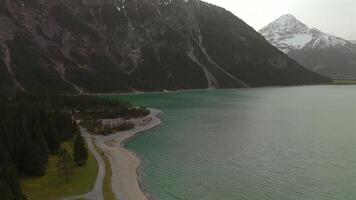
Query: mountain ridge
125	46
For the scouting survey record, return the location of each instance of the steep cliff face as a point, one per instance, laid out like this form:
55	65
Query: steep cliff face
130	45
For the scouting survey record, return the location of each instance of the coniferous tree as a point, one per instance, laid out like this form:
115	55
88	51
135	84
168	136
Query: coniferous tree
5	191
33	159
9	183
52	136
65	163
80	151
75	128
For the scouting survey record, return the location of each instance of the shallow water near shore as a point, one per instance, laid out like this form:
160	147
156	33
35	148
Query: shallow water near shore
265	143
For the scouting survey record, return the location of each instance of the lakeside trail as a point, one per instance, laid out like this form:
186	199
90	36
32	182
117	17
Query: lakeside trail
124	163
97	192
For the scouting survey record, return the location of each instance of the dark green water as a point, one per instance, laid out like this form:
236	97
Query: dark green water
270	144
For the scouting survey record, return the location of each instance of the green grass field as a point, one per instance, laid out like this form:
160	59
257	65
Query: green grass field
53	186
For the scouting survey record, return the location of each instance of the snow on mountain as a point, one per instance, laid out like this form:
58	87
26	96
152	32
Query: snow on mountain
288	33
317	51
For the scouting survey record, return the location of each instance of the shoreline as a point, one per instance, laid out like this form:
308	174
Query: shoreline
126	165
203	90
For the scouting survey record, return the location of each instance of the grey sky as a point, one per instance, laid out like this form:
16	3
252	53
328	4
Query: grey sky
337	17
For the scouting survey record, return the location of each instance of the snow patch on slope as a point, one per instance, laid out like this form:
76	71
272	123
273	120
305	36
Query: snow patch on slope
298	40
325	41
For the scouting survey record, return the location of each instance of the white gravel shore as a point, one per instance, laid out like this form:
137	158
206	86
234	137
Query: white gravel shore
124	163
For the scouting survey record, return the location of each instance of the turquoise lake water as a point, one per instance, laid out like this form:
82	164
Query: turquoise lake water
290	143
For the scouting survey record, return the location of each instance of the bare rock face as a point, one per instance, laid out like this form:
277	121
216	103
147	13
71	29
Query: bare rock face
135	45
320	52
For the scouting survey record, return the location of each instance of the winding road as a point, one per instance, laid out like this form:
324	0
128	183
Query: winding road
97	192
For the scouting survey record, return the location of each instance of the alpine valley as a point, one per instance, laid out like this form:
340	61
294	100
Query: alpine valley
138	45
326	54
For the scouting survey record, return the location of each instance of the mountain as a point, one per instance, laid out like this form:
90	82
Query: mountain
320	52
135	45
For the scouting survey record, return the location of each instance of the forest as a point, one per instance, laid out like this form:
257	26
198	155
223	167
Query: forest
34	126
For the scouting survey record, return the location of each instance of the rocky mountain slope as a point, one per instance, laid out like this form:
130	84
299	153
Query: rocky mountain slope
135	45
320	52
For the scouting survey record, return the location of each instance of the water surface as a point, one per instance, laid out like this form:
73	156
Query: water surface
267	143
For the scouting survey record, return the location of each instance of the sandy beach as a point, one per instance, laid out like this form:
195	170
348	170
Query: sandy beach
124	163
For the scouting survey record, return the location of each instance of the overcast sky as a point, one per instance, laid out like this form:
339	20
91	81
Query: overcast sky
337	17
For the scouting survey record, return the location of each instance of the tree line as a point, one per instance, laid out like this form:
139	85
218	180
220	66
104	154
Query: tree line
32	126
29	132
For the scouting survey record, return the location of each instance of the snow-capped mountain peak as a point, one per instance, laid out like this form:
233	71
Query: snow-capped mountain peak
318	51
287	23
288	33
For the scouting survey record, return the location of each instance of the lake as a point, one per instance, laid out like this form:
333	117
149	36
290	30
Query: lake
265	143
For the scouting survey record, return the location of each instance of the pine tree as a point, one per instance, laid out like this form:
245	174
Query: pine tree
80	151
65	164
9	183
52	135
32	158
75	128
